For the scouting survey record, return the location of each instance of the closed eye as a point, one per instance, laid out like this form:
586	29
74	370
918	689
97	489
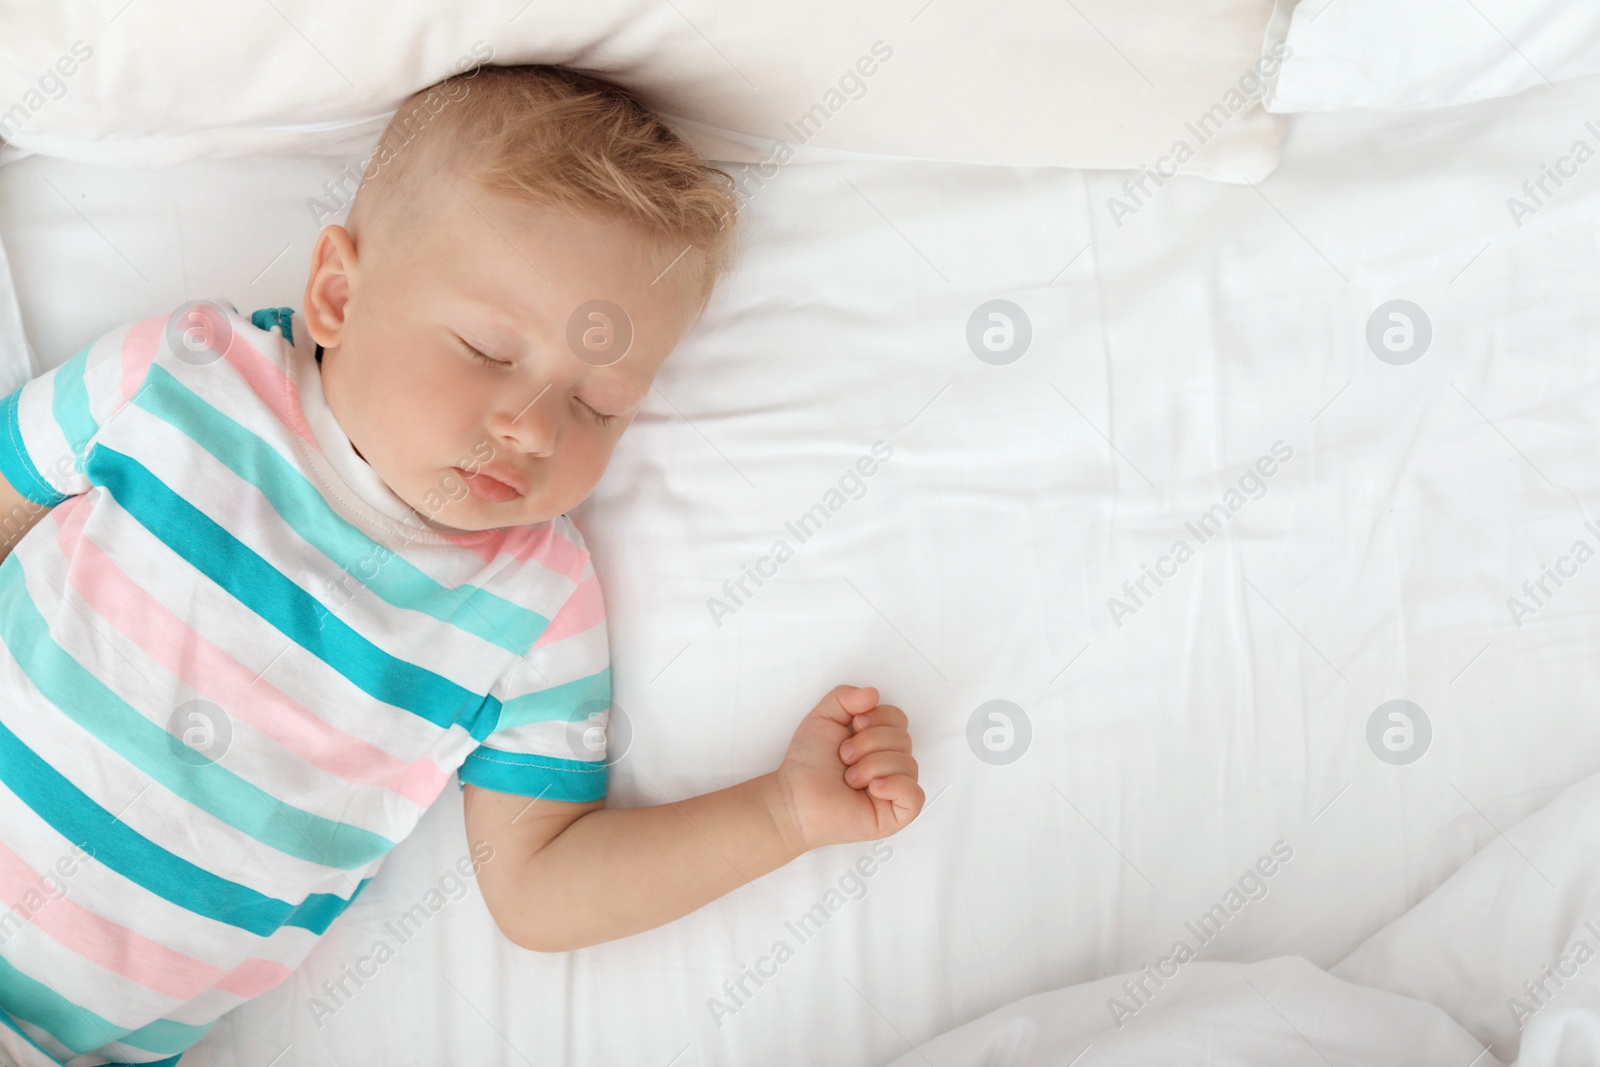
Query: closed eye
603	420
481	357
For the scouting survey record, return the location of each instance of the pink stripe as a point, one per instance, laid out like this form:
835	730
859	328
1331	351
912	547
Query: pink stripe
550	548
253	977
139	347
267	380
584	608
119	949
224	680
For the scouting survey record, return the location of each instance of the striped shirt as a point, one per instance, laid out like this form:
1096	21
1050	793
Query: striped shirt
235	669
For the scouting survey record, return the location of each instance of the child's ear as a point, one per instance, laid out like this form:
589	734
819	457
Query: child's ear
333	266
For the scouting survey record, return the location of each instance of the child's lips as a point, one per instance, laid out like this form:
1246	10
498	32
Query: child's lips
495	485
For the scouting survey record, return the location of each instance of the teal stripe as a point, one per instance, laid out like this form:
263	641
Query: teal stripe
302	506
146	745
80	1029
534	776
70	403
571	702
165	1035
11	1024
215	553
76	817
15	463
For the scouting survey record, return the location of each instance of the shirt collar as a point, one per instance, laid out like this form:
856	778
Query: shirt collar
355	473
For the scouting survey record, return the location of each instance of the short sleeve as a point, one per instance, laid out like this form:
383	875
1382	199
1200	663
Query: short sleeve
554	724
48	426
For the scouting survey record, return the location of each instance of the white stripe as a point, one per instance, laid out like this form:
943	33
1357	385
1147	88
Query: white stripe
27	1055
102	376
43	440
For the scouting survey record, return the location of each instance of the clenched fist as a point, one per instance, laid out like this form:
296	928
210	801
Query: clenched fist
848	774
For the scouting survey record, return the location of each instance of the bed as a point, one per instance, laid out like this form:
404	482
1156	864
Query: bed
1362	392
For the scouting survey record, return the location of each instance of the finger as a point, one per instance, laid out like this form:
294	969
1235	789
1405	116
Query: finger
844	702
874	739
903	793
883	715
888	715
880	765
860	698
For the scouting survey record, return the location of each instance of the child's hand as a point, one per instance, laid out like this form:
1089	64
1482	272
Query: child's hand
815	804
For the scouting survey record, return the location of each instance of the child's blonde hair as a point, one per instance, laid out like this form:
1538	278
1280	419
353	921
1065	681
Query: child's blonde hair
549	135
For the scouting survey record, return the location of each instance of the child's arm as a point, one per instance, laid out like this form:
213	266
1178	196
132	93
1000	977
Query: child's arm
563	876
18	515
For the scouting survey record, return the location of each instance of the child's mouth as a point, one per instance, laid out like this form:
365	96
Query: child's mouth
493	489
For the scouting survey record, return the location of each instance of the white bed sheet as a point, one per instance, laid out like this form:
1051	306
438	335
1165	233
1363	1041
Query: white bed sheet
1168	754
1496	962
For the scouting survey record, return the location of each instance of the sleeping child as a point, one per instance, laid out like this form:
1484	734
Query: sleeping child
273	579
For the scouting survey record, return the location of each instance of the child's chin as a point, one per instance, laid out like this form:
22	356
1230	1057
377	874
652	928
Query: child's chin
464	517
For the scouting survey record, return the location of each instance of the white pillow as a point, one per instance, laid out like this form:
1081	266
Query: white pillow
1093	83
1393	55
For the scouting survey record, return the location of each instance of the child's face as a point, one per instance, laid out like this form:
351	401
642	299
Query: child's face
473	446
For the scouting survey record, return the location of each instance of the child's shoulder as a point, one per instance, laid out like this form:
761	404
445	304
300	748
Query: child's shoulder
196	334
555	547
270	332
233	359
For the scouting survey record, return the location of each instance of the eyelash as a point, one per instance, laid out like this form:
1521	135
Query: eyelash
603	420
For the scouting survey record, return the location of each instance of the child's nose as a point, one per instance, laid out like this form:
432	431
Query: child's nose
531	428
